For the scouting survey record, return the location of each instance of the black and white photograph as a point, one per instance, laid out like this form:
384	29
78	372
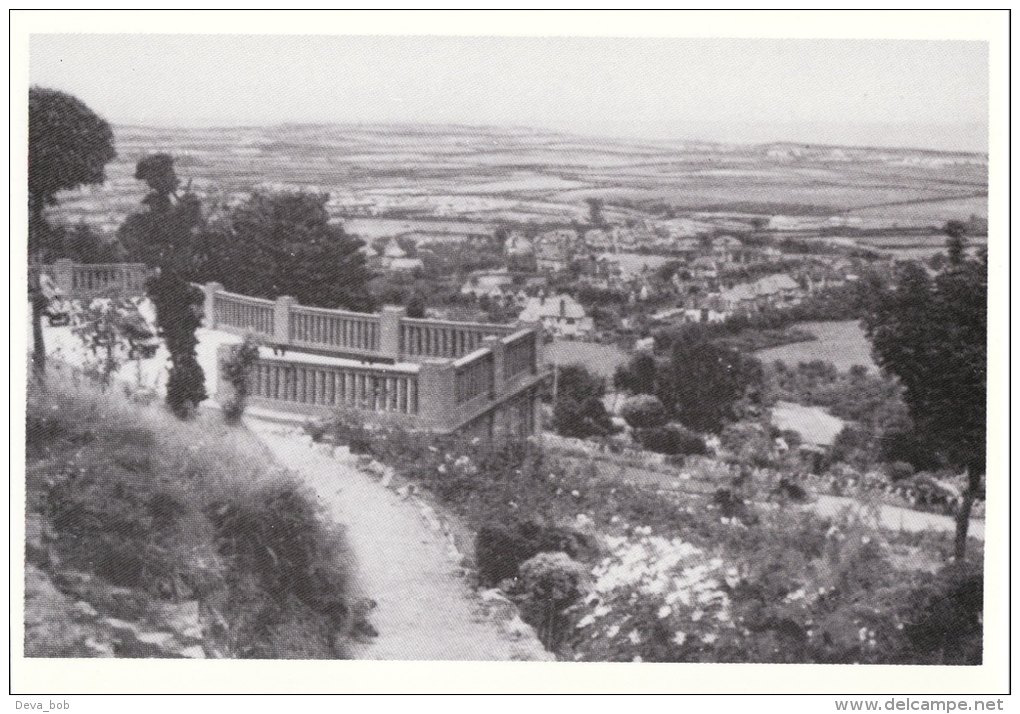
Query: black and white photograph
552	347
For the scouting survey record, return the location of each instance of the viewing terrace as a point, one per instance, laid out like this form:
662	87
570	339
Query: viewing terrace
435	375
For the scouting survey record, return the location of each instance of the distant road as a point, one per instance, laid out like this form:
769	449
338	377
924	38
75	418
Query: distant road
896	518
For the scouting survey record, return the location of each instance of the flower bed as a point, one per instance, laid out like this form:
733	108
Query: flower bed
673	576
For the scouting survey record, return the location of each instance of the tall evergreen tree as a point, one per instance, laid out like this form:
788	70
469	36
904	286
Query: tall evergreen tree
167	237
932	334
284	244
703	384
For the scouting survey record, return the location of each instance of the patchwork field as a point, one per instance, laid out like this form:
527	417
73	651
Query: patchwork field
538	175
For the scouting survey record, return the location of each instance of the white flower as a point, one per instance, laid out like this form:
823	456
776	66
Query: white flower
697	615
575	494
602	610
635	637
613	631
637	658
585	621
665	611
709	638
442	468
679	638
796	595
865	540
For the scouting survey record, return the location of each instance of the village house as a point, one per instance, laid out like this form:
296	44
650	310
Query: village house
727	250
561	315
598	239
395	259
422	239
519	253
554	250
494	284
771	292
704	268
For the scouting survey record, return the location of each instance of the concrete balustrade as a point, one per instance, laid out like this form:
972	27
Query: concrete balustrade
436	375
82	281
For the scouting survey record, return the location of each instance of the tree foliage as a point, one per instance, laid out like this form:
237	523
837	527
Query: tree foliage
932	334
703	384
110	329
169	234
80	243
578	411
638	375
277	244
167	237
69	145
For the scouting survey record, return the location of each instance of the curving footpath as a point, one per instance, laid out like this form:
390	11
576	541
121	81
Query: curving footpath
425	608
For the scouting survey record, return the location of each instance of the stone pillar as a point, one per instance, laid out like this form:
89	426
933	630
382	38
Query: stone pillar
536	413
63	276
436	403
209	310
281	319
389	330
496	346
536	327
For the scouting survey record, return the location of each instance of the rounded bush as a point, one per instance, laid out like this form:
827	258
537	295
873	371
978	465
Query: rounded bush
899	470
644	411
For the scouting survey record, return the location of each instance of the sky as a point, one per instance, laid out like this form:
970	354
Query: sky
924	94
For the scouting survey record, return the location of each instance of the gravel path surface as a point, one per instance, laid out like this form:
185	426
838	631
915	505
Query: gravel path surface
426	610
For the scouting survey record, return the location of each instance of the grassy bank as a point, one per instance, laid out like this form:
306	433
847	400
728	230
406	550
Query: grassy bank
133	514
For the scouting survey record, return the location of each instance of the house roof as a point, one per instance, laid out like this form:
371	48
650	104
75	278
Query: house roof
406	264
775	283
553	306
517	244
393	250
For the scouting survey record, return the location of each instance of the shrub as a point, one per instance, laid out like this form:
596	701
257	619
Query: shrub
899	470
581	419
748	443
944	624
501	549
644	411
178	309
671	440
654	599
549	584
237	370
637	376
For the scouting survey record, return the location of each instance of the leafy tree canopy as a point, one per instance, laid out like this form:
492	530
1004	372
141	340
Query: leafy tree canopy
932	334
283	243
68	146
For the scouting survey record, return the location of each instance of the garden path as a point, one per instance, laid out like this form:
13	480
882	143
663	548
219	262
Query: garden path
425	609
